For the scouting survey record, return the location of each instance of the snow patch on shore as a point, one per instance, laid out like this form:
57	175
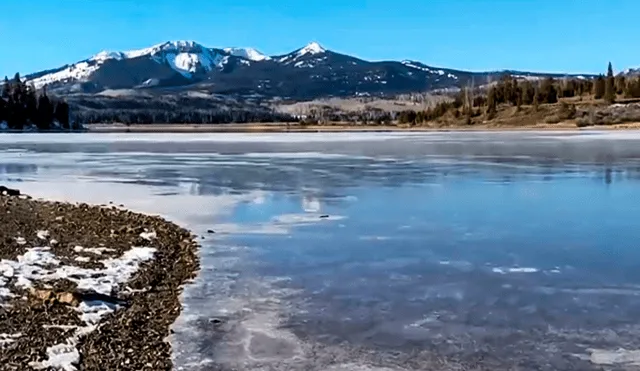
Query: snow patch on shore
33	266
148	235
43	235
8	338
41	264
92	250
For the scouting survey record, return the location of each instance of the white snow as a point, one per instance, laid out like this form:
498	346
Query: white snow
148	235
169	46
60	356
93	311
75	72
92	250
104	55
188	63
41	264
311	48
303	64
528	77
247	53
416	65
8	338
21	241
183	56
421	67
43	235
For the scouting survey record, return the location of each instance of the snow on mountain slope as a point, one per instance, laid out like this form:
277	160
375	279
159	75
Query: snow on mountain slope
75	72
305	73
312	48
422	67
247	53
185	57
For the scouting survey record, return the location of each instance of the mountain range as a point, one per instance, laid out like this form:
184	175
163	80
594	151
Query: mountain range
306	73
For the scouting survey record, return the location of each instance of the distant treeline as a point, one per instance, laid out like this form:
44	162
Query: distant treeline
509	90
180	116
21	106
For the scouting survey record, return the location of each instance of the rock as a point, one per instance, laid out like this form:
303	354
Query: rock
43	295
9	192
67	298
210	231
324	216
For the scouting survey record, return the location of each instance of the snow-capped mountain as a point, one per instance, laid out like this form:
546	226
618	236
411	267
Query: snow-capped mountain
187	58
308	72
247	53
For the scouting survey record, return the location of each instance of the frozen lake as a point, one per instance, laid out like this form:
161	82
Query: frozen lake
447	251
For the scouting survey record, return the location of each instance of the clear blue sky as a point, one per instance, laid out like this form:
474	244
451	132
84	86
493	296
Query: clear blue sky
539	35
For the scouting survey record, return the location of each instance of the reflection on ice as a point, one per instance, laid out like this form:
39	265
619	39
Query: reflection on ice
374	251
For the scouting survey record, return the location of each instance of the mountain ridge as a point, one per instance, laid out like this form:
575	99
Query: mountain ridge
306	73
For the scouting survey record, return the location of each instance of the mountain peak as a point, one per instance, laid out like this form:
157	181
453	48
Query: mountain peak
312	48
247	53
175	45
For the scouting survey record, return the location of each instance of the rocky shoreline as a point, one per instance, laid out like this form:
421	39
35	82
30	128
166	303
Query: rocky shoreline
88	287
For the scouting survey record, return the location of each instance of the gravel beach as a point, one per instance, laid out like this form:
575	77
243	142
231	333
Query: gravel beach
88	287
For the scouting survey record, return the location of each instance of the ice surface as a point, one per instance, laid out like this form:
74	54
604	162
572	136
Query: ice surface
301	219
515	270
615	357
227	137
435	256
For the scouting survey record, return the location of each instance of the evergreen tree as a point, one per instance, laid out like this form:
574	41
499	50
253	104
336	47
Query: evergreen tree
45	112
6	89
62	115
632	88
548	92
491	103
3	111
21	105
528	92
610	89
620	82
599	87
